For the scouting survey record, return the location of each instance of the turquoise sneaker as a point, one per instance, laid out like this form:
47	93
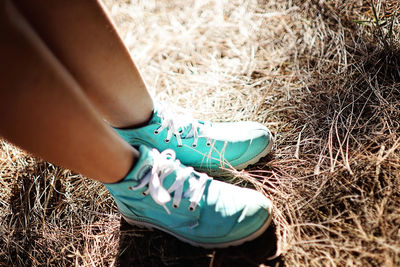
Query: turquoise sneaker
161	193
203	145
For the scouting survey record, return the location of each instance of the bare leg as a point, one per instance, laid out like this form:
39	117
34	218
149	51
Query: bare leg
44	111
82	36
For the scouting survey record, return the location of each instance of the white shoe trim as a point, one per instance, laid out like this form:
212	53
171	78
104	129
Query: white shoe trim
237	242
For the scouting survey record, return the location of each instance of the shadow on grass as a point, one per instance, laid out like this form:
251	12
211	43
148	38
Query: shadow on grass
31	201
143	247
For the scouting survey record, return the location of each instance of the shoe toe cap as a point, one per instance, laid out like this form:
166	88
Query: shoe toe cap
258	206
254	218
237	131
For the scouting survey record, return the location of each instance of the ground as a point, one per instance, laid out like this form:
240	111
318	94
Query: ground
322	75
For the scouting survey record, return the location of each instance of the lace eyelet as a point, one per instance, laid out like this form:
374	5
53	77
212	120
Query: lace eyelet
208	144
180	131
180	145
191	209
156	132
166	140
194	145
144	193
175	206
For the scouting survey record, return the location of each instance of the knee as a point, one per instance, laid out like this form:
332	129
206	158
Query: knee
10	17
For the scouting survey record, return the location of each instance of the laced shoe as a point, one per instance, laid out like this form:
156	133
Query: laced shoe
161	193
203	145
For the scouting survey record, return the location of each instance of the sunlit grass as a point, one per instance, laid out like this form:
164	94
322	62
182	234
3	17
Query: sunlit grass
317	73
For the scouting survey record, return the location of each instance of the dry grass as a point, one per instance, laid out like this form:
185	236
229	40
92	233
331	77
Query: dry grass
329	89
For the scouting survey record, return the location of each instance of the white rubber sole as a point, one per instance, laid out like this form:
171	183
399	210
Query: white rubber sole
238	242
259	156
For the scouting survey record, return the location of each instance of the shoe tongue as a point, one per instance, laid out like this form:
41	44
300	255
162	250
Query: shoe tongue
156	119
143	165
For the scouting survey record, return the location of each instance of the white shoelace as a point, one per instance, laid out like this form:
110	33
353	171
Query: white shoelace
165	164
175	124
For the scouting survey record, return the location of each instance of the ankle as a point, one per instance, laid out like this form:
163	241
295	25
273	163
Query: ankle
135	124
124	169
